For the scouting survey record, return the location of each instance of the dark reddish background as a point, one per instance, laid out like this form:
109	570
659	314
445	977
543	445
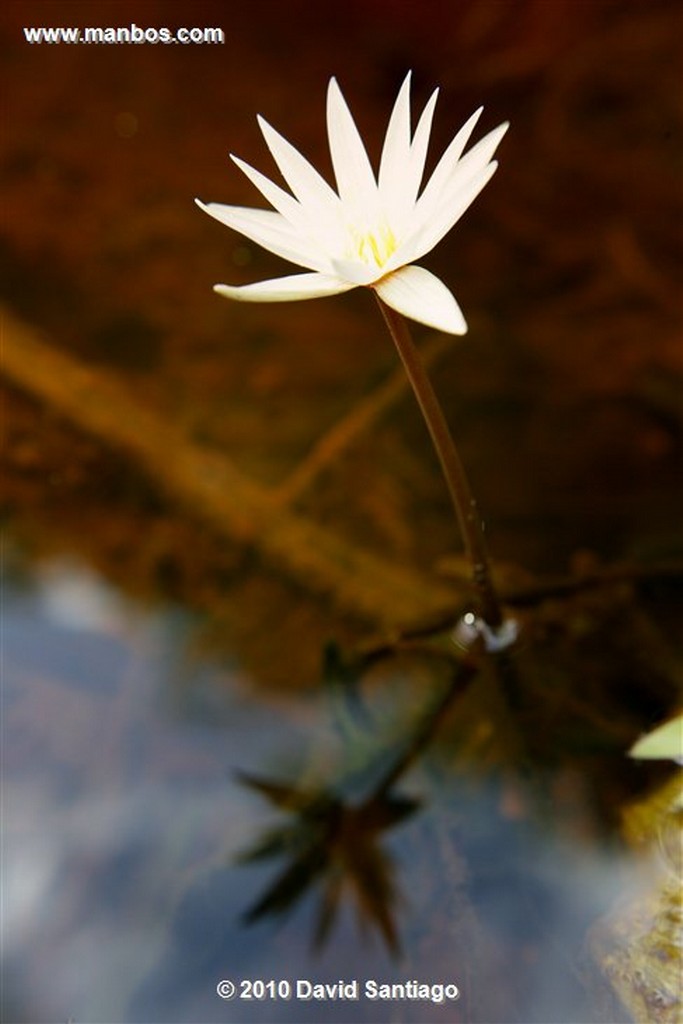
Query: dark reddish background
565	394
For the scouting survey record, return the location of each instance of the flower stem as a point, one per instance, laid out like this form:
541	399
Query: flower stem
469	520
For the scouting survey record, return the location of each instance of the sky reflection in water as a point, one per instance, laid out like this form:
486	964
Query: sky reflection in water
124	816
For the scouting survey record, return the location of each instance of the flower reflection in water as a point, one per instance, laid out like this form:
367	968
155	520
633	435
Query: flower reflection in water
334	842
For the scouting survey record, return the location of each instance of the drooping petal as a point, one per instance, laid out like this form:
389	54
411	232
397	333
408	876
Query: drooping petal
352	170
285	289
269	230
421	296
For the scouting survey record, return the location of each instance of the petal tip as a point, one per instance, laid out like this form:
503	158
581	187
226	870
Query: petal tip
263	124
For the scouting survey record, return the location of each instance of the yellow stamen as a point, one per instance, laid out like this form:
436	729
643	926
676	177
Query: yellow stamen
375	246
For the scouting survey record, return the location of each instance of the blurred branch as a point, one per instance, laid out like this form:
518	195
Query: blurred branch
352	426
208	484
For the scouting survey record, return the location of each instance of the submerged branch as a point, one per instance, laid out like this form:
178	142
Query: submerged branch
332	444
214	490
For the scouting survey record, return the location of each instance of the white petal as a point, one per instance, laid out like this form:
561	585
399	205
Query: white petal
421	296
269	230
448	162
285	204
486	147
306	221
453	205
355	178
476	158
309	187
418	150
285	289
431	202
356	271
396	149
403	161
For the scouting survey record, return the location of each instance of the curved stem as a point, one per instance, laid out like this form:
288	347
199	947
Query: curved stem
467	513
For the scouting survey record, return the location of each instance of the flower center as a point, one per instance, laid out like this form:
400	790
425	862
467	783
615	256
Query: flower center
375	246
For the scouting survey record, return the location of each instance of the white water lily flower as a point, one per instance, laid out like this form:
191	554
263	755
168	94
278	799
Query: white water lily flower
369	232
